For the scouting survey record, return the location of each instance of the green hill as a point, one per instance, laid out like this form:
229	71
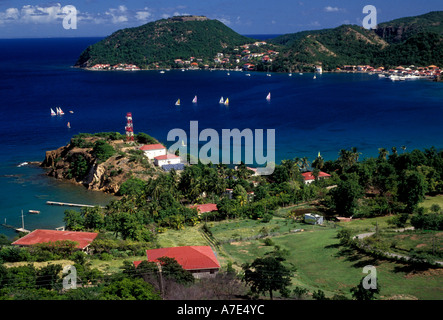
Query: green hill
399	30
163	41
347	44
412	40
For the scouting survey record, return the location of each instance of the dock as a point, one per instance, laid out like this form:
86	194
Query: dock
56	203
15	228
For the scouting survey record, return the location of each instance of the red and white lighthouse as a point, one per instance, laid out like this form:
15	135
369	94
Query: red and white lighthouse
129	128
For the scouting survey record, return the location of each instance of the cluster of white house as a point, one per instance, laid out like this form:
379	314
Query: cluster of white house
158	153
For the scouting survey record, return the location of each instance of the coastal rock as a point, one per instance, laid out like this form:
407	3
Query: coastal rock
80	165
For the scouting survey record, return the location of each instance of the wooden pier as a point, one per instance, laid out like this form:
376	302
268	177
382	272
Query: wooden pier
15	228
55	203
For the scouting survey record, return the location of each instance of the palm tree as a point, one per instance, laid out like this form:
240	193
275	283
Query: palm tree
382	153
305	164
318	162
355	154
403	148
394	151
292	167
346	159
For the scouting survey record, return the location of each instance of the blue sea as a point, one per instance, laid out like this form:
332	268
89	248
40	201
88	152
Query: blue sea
332	112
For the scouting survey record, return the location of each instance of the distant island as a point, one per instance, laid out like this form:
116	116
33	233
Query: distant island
196	42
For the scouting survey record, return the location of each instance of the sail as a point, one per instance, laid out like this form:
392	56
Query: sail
226	101
53	112
268	97
194	100
178	102
221	100
61	111
69	125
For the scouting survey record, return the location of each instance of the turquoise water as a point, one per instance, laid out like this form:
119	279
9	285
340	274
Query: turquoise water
327	114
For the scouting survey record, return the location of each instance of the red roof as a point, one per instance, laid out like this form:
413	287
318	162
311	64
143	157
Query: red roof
156	146
189	257
43	236
309	176
207	207
166	156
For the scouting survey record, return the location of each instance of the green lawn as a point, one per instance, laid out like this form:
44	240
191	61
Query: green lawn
323	264
429	201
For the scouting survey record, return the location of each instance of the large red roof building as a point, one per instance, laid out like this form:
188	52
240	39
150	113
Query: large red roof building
199	260
38	236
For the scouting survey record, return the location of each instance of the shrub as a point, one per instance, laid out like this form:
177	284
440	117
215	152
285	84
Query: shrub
102	150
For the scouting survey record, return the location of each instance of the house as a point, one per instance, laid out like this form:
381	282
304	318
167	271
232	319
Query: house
83	239
313	218
248	67
201	261
308	177
164	159
153	150
207	207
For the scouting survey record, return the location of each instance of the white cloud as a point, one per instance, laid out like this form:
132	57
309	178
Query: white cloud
143	15
118	15
333	9
53	13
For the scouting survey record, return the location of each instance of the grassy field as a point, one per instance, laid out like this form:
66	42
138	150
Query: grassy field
322	264
429	201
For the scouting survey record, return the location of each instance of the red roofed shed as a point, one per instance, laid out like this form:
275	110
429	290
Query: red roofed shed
207	207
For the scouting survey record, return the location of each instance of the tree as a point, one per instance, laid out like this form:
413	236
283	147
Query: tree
382	153
102	150
171	269
346	194
132	186
73	220
412	189
267	275
360	293
130	289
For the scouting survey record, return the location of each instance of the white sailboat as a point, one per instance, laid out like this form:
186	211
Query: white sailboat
61	111
268	97
227	102
53	113
221	100
315	77
194	100
177	103
69	125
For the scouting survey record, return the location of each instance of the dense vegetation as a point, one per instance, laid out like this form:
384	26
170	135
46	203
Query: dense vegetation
408	41
413	40
393	184
162	40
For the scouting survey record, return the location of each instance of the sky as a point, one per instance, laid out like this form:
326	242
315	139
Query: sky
99	18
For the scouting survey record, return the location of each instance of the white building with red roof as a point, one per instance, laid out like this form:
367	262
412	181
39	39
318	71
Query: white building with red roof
201	261
308	177
166	159
153	150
